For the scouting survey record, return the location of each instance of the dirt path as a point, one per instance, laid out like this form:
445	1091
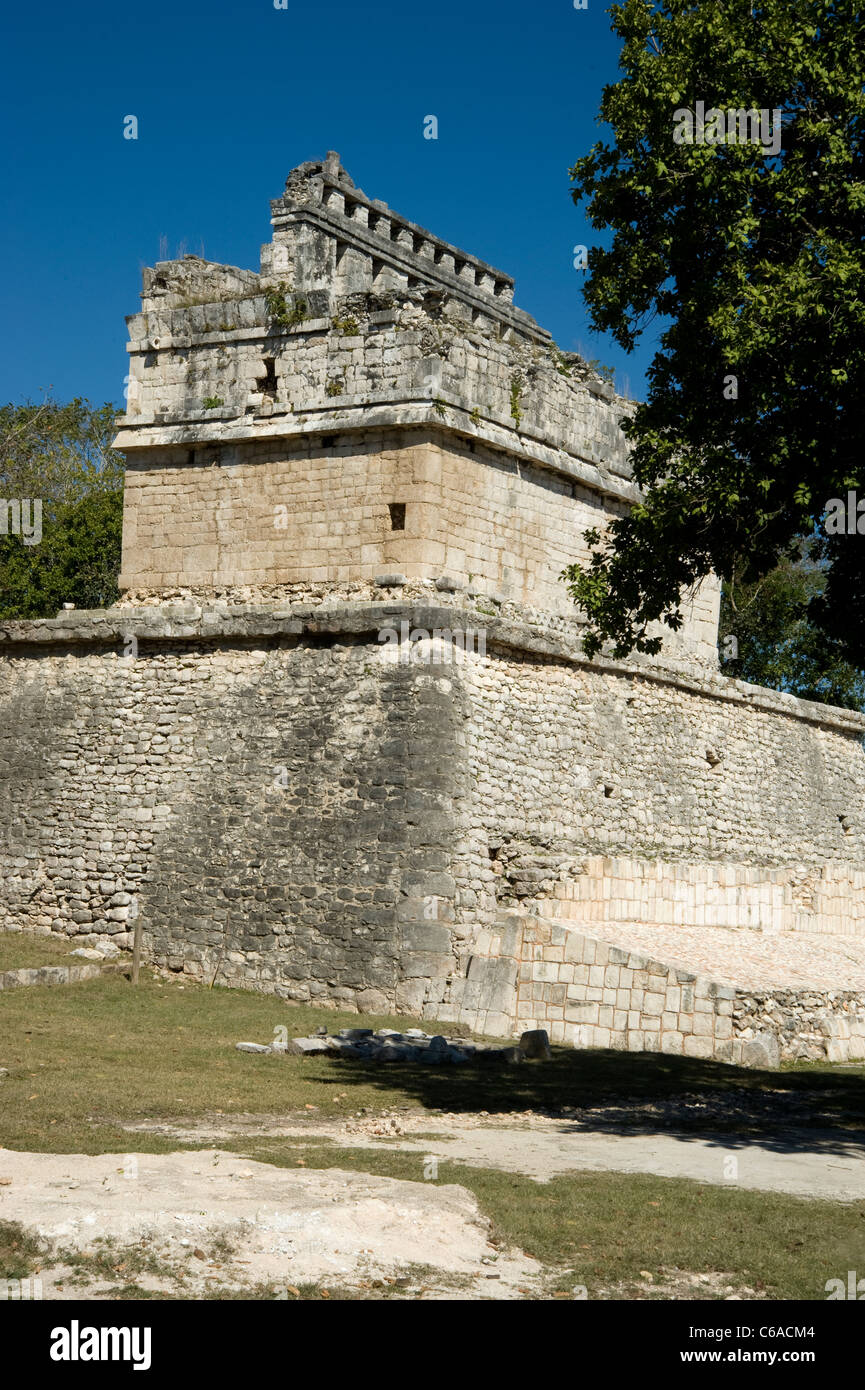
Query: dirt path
803	1163
193	1224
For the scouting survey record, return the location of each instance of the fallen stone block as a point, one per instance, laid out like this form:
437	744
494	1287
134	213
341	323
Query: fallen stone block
251	1047
535	1044
761	1051
343	1048
394	1052
311	1047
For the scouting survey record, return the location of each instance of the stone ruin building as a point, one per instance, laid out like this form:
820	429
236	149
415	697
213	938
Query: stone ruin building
338	740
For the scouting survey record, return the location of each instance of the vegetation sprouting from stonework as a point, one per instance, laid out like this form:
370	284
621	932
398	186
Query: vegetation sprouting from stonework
602	370
347	327
61	455
280	313
516	388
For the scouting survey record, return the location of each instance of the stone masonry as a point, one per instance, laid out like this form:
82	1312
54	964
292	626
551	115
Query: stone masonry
371	402
282	754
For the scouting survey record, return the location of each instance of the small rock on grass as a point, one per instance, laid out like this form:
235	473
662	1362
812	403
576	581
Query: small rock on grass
535	1043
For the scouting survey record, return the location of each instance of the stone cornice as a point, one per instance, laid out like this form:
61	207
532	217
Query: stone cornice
389	410
363	620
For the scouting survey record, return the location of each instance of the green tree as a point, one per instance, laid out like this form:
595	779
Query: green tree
767	634
60	455
756	263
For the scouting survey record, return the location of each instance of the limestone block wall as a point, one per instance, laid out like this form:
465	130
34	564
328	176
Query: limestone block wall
249	391
299	512
422	502
829	899
228	365
587	992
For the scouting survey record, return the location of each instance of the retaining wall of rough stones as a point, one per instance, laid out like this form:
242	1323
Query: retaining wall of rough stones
279	809
277	799
570	760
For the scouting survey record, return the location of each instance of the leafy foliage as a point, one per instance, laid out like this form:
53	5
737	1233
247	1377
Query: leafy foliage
61	454
757	262
775	641
279	312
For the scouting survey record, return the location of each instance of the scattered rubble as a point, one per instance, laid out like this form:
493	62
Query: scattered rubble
389	1045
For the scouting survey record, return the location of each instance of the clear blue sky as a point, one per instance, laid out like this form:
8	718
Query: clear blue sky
231	95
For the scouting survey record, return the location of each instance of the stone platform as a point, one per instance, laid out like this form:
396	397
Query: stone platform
731	995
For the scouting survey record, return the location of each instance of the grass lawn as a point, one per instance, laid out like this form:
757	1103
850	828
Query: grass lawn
602	1230
83	1059
23	951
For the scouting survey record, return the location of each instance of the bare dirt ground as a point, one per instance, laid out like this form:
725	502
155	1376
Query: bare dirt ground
207	1219
211	1223
801	1163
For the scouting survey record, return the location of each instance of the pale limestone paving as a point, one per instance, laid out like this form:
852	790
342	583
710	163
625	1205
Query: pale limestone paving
367	436
792	960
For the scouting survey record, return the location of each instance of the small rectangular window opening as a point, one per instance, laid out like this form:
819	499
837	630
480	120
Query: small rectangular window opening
267	384
397	515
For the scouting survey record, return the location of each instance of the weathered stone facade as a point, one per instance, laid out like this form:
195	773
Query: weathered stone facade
371	402
633	854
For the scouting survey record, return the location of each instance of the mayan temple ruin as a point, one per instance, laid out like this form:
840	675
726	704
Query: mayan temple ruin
339	741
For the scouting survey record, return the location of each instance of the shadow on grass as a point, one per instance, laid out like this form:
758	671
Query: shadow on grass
85	1060
634	1093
